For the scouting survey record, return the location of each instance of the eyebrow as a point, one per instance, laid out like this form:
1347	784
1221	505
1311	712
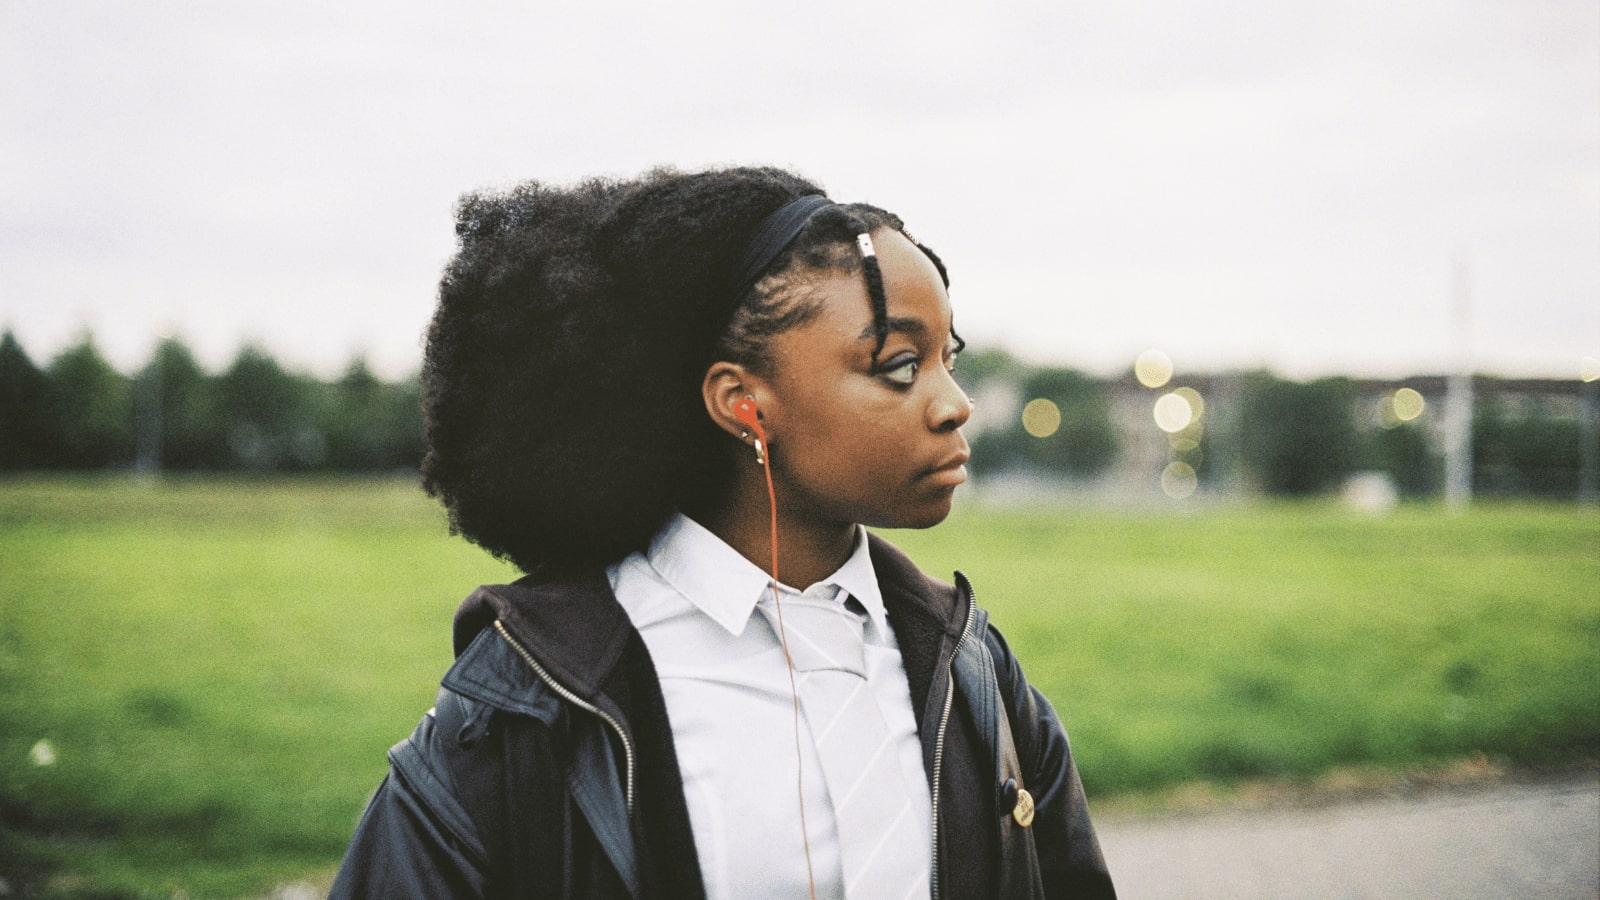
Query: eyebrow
904	325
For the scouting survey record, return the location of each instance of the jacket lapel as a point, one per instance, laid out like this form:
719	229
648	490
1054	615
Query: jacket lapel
927	616
581	636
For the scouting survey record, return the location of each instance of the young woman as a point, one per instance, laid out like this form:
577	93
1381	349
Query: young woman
667	400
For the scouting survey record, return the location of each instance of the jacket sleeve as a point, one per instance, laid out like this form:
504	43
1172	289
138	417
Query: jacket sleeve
1070	861
415	840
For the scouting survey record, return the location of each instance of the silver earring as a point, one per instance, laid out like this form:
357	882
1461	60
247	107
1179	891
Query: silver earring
761	458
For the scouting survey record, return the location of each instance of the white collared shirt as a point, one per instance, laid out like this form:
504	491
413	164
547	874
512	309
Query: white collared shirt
693	599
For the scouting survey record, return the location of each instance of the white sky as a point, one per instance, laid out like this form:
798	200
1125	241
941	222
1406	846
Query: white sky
1236	183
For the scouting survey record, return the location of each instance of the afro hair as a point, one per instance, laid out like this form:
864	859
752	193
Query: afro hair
561	379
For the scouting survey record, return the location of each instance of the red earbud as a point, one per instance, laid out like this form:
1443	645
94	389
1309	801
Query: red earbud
745	411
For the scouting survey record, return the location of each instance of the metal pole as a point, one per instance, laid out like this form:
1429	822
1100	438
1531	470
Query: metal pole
1458	399
1589	448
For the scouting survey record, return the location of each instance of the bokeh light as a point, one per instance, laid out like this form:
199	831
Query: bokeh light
1408	404
1173	413
1153	368
1178	480
1185	450
1041	417
1589	368
1197	404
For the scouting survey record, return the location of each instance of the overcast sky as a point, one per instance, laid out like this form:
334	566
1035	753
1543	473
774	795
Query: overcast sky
1236	183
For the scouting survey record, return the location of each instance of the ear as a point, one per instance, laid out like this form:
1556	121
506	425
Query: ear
724	385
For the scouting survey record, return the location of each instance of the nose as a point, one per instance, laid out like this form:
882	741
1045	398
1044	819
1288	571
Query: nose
950	407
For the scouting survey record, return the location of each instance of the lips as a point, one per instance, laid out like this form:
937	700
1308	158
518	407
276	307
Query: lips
951	471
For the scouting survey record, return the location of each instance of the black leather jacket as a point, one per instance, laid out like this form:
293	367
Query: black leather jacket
546	768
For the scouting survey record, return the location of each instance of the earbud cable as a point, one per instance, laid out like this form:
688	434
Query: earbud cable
794	690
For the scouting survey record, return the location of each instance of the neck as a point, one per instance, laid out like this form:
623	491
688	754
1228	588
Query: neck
809	550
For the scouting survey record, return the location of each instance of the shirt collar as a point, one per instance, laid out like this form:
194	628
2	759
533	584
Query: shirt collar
725	586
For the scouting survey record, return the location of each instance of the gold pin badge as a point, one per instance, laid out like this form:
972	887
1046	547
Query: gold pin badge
1023	812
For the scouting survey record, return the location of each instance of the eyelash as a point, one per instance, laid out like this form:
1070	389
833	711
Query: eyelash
891	372
914	366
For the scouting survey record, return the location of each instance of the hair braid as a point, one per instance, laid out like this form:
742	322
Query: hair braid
829	243
875	294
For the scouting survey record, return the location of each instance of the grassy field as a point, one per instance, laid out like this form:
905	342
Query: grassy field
212	670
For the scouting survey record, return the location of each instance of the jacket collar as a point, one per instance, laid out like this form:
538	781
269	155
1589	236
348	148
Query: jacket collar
907	590
928	617
575	627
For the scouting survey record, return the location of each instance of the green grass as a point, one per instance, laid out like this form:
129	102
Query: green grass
1289	640
220	665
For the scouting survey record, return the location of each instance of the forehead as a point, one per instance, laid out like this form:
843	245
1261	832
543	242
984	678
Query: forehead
914	292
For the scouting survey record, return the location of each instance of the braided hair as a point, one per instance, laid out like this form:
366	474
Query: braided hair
561	377
837	239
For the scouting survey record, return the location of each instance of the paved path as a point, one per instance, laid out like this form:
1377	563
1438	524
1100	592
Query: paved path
1525	841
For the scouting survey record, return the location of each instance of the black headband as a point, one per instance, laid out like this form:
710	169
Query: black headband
776	232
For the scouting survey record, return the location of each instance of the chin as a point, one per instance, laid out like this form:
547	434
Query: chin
924	516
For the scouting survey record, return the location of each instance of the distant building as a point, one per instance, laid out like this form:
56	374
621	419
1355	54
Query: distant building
1208	445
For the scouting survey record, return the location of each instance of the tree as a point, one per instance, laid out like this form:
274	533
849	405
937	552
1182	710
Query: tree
371	425
1533	452
24	395
1082	445
173	415
269	414
89	410
989	364
1298	437
179	414
1402	451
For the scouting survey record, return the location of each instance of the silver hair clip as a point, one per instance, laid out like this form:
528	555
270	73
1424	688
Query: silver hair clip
864	240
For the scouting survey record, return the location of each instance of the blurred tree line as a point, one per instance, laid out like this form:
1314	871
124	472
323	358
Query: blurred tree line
1306	437
1083	445
78	412
1287	437
1532	450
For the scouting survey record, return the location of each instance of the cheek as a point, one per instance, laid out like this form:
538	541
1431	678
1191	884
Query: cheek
828	451
855	464
829	423
829	444
848	470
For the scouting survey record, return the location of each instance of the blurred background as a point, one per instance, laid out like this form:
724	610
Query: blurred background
1284	328
249	208
1239	187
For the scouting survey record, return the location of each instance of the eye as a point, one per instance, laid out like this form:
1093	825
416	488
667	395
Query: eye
902	370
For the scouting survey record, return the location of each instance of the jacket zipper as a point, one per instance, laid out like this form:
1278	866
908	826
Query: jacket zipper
575	700
944	721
